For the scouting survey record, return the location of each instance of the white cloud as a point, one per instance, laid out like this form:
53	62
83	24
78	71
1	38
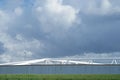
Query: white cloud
106	5
20	47
93	55
54	15
4	19
26	36
102	7
19	37
5	58
39	9
18	11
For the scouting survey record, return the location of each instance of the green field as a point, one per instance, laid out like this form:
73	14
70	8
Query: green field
60	77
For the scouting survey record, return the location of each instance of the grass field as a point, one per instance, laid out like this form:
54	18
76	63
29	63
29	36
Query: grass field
60	77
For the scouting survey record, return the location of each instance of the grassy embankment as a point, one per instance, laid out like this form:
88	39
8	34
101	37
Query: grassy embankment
60	77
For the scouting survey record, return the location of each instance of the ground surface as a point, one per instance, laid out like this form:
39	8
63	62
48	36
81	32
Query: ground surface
60	77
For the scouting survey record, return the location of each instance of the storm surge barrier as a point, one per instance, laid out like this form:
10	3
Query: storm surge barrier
67	61
63	66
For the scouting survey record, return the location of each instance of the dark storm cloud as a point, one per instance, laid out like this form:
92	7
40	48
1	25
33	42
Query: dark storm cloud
2	49
99	34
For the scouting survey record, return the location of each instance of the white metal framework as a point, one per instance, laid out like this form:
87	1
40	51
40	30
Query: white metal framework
68	61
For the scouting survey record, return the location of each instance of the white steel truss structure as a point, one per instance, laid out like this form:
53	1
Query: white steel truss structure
67	61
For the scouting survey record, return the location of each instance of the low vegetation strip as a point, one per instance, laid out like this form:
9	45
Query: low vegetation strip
60	77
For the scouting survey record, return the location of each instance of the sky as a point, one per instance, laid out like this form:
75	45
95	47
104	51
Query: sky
32	29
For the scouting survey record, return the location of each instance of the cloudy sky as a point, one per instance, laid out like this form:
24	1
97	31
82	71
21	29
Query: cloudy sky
31	29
